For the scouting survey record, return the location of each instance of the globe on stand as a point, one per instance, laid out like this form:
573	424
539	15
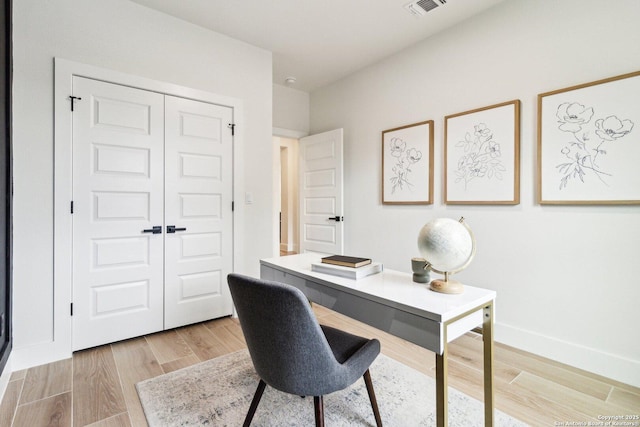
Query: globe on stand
448	246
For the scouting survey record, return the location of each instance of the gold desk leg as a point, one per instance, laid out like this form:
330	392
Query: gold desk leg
487	337
442	398
442	362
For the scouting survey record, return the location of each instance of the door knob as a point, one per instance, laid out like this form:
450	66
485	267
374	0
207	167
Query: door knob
173	229
336	218
156	229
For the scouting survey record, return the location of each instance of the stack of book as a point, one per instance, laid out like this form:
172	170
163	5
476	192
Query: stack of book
347	266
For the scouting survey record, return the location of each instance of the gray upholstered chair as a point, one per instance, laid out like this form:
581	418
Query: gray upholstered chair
291	352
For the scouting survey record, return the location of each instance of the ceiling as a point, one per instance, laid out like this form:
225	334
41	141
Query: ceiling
321	41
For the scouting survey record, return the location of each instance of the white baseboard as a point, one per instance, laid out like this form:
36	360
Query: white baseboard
288	247
5	377
599	362
39	354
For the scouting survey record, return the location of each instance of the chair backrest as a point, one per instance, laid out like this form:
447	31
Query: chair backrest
287	346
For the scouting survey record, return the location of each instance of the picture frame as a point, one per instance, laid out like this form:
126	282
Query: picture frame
588	143
407	164
482	156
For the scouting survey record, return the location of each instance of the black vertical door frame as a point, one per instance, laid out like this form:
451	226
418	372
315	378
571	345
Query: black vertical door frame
6	332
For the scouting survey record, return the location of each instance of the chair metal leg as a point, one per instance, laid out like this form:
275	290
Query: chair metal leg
318	404
254	403
372	398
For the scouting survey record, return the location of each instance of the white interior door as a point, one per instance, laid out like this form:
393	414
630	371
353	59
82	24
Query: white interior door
198	197
118	163
321	188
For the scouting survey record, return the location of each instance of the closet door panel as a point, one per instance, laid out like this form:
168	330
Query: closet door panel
198	196
118	167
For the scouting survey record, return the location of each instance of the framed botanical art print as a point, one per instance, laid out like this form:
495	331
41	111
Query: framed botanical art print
407	164
589	143
482	156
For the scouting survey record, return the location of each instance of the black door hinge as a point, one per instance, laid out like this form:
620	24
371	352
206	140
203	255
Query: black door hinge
233	206
72	309
73	99
233	128
72	206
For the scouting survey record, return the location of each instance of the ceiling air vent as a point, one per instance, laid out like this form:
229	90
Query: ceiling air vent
420	7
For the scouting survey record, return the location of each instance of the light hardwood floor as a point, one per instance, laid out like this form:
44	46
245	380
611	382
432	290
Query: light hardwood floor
97	386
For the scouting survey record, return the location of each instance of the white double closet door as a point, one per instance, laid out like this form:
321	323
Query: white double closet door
152	212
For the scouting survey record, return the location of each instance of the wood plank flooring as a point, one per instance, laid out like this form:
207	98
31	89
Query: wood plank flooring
97	386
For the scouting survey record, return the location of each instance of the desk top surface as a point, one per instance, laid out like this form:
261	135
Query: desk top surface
393	288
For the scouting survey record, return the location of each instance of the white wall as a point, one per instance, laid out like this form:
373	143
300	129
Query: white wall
567	277
290	109
125	37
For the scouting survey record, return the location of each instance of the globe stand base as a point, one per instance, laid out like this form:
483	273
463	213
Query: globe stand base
446	286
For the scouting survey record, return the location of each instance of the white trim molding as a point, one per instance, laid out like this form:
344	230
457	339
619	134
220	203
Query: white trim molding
593	360
288	133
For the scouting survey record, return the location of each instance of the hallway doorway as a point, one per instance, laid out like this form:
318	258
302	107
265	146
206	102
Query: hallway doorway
288	176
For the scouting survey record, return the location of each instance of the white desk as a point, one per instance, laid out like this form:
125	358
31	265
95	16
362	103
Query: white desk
392	302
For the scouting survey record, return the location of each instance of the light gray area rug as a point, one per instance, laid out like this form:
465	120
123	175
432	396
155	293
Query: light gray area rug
218	392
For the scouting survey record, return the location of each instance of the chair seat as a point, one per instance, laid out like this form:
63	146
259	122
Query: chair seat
343	344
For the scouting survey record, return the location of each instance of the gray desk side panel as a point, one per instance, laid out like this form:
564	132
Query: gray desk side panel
416	329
